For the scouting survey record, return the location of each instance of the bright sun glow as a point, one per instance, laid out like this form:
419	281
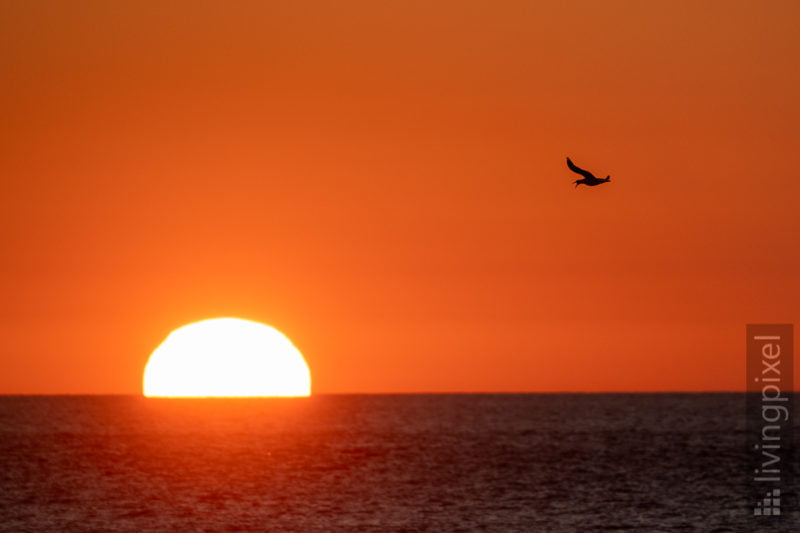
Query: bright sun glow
226	357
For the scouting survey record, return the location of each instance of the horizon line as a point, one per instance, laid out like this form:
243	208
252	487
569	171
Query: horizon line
419	393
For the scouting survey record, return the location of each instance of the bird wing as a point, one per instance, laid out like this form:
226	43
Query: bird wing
584	173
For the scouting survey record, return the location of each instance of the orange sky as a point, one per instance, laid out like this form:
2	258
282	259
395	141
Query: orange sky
385	183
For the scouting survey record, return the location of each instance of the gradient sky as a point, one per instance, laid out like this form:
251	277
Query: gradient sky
385	183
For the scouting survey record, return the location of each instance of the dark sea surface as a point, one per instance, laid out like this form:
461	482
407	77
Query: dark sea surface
550	462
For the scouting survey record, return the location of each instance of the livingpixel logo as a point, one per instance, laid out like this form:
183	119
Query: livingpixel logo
769	406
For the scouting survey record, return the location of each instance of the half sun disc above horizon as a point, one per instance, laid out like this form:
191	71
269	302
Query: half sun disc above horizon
226	357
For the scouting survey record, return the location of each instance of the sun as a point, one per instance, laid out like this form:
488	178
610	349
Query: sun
226	357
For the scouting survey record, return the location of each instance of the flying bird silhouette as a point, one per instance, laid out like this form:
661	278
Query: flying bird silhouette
588	178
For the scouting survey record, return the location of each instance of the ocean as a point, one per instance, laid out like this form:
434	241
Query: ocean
440	462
